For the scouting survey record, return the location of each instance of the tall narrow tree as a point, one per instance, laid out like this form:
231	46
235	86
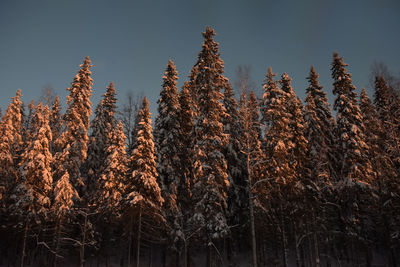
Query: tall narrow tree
210	171
75	138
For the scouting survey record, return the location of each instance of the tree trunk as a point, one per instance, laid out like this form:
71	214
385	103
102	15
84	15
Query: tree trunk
24	242
284	239
139	236
83	241
57	241
296	238
130	241
151	256
209	262
315	242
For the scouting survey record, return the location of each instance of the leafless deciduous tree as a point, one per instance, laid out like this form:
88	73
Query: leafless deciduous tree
378	68
243	81
127	114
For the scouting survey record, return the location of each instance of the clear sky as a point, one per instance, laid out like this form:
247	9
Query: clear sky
42	42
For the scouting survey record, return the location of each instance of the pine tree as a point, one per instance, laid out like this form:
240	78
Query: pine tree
167	140
356	174
210	171
386	182
277	146
101	125
186	145
142	192
235	159
185	154
10	147
354	166
74	139
32	205
36	163
110	184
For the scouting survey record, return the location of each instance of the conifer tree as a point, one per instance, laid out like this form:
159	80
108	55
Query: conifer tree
386	182
185	155
110	184
235	159
167	140
142	192
101	125
277	146
74	139
354	166
356	174
10	147
210	171
33	191
186	145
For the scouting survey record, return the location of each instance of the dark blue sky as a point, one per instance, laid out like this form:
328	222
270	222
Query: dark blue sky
43	42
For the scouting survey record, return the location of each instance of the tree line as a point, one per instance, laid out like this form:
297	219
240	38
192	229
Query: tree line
276	179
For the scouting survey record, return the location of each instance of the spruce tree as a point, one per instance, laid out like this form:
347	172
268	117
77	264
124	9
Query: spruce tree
110	184
142	196
167	140
101	125
235	159
210	170
10	147
277	146
356	173
33	191
74	139
386	182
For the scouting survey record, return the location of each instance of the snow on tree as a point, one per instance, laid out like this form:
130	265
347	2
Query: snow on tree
10	147
35	165
386	182
31	198
101	125
74	139
186	145
110	183
167	140
325	121
354	165
143	164
387	104
142	197
210	170
354	193
278	146
232	126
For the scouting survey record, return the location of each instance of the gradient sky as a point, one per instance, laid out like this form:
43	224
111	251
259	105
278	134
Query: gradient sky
42	42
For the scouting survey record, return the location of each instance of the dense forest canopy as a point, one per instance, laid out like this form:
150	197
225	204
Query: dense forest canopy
275	178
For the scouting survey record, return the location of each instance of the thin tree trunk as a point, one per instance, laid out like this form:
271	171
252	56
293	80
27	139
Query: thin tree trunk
151	256
83	241
57	241
296	246
139	236
209	255
251	209
24	243
284	240
130	241
315	242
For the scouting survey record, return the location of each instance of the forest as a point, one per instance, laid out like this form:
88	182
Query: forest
217	180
